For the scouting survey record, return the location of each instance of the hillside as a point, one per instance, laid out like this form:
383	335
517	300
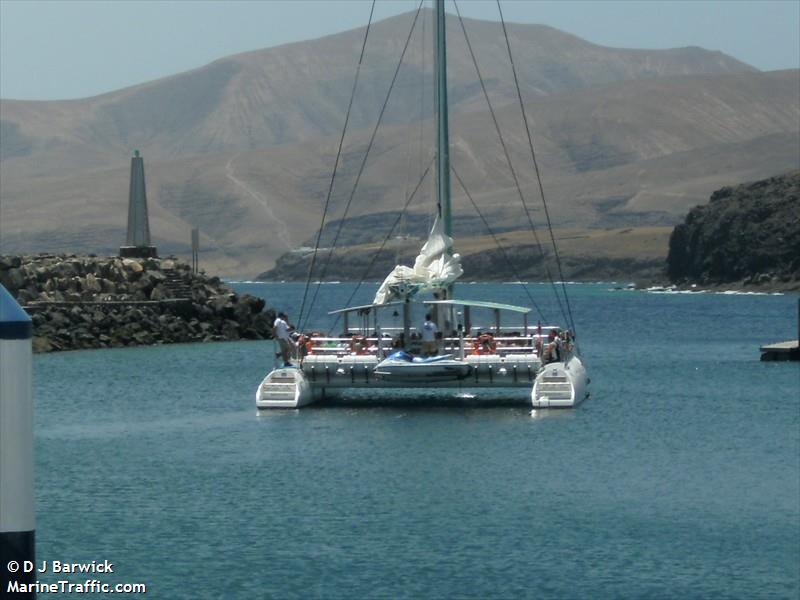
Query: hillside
243	148
586	255
749	233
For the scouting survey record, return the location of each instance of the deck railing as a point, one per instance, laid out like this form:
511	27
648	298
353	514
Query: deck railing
357	344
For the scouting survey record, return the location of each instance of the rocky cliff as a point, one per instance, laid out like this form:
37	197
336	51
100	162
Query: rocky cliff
748	234
100	302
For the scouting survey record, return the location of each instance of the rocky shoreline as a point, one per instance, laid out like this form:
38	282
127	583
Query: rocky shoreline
82	302
746	237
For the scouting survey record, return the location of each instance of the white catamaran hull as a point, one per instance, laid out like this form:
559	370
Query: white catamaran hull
556	385
284	388
561	385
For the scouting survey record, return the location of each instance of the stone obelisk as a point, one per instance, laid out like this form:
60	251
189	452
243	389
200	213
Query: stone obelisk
137	244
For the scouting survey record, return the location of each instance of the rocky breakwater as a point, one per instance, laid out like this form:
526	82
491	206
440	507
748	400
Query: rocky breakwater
102	302
746	236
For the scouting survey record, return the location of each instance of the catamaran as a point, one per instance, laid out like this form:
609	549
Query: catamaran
476	345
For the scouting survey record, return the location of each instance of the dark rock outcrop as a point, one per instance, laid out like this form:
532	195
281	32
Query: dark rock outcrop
748	234
98	302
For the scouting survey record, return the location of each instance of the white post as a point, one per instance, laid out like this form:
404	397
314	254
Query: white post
17	503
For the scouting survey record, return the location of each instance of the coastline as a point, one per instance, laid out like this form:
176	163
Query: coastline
639	284
741	287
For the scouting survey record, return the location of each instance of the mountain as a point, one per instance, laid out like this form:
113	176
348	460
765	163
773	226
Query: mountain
300	91
243	148
748	233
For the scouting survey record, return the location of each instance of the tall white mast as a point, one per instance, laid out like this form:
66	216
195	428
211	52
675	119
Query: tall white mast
442	132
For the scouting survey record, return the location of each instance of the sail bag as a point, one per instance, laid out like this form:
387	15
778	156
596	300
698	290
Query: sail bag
434	268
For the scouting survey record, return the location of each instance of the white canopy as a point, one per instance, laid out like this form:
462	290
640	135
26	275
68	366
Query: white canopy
434	268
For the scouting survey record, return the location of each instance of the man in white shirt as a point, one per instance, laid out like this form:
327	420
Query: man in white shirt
280	330
429	331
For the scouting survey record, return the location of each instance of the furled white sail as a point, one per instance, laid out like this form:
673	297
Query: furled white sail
435	267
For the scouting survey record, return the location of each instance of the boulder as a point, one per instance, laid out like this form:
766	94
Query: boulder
152	264
24	297
132	266
9	262
92	284
42	344
64	270
14	279
158	293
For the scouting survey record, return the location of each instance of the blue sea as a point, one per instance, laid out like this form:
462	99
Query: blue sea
678	478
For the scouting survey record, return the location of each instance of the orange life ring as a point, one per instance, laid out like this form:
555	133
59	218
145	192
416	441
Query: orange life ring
358	344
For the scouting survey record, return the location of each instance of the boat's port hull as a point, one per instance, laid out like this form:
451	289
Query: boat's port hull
284	388
560	385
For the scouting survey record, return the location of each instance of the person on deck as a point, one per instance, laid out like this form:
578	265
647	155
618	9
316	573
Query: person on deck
280	330
552	351
429	331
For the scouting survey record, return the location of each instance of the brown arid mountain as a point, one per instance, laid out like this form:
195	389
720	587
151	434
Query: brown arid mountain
243	148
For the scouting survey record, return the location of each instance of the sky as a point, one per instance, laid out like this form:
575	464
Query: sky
64	49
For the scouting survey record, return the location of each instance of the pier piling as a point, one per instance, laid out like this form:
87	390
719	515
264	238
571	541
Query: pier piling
17	527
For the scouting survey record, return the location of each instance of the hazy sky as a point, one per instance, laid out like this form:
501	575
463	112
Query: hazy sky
72	49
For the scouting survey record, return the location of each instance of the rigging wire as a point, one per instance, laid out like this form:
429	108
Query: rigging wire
363	163
404	225
499	245
385	240
335	165
422	77
538	174
508	160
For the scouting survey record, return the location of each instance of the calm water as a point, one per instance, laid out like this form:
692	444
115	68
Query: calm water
679	478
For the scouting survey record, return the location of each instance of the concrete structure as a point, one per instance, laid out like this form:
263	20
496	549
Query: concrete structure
781	351
17	501
137	243
784	350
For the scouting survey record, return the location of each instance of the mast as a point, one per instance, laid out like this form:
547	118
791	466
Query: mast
442	132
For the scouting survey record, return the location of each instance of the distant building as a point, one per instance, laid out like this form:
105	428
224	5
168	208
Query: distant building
137	243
